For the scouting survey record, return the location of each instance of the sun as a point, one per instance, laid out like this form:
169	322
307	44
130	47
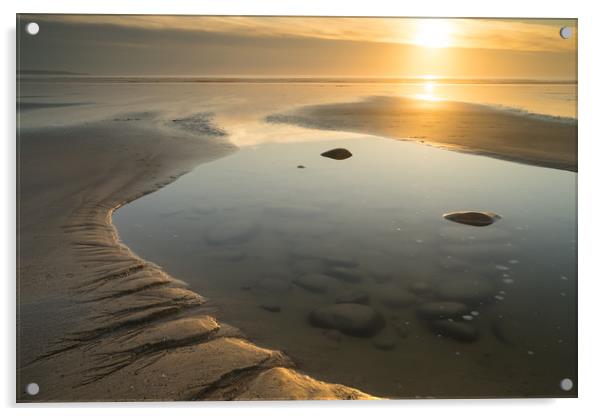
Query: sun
433	33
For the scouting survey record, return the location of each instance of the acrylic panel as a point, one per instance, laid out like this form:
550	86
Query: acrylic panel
284	208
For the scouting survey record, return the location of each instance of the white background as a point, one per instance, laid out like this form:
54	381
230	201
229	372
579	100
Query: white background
590	113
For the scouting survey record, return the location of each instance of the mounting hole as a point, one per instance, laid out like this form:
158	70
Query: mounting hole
32	28
565	32
566	384
32	389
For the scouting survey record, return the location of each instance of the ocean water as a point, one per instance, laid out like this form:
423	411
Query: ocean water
246	231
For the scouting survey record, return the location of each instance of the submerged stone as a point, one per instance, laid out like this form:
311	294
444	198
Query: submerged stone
478	219
337	154
349	318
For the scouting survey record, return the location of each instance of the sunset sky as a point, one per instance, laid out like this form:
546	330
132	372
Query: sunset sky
300	46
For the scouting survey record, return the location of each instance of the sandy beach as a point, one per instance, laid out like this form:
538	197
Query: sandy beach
473	128
96	322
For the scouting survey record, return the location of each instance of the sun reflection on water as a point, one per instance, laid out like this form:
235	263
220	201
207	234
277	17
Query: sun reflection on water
429	92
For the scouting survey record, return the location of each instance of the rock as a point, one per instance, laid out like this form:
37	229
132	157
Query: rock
337	154
460	331
316	283
270	306
349	318
235	232
441	310
352	296
478	219
420	288
467	290
345	274
396	298
300	167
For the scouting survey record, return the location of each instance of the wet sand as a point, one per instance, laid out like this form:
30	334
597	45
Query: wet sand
466	127
96	322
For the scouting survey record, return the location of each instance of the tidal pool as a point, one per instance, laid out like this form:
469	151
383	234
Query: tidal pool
247	230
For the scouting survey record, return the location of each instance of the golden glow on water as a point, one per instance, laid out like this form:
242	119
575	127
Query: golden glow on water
429	92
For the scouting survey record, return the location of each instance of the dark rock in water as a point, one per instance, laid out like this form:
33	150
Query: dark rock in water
352	296
270	307
338	154
316	283
466	290
345	274
460	331
441	310
420	288
385	340
478	219
396	298
300	167
349	318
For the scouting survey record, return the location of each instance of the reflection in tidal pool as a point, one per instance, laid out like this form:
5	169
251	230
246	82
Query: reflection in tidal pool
349	267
